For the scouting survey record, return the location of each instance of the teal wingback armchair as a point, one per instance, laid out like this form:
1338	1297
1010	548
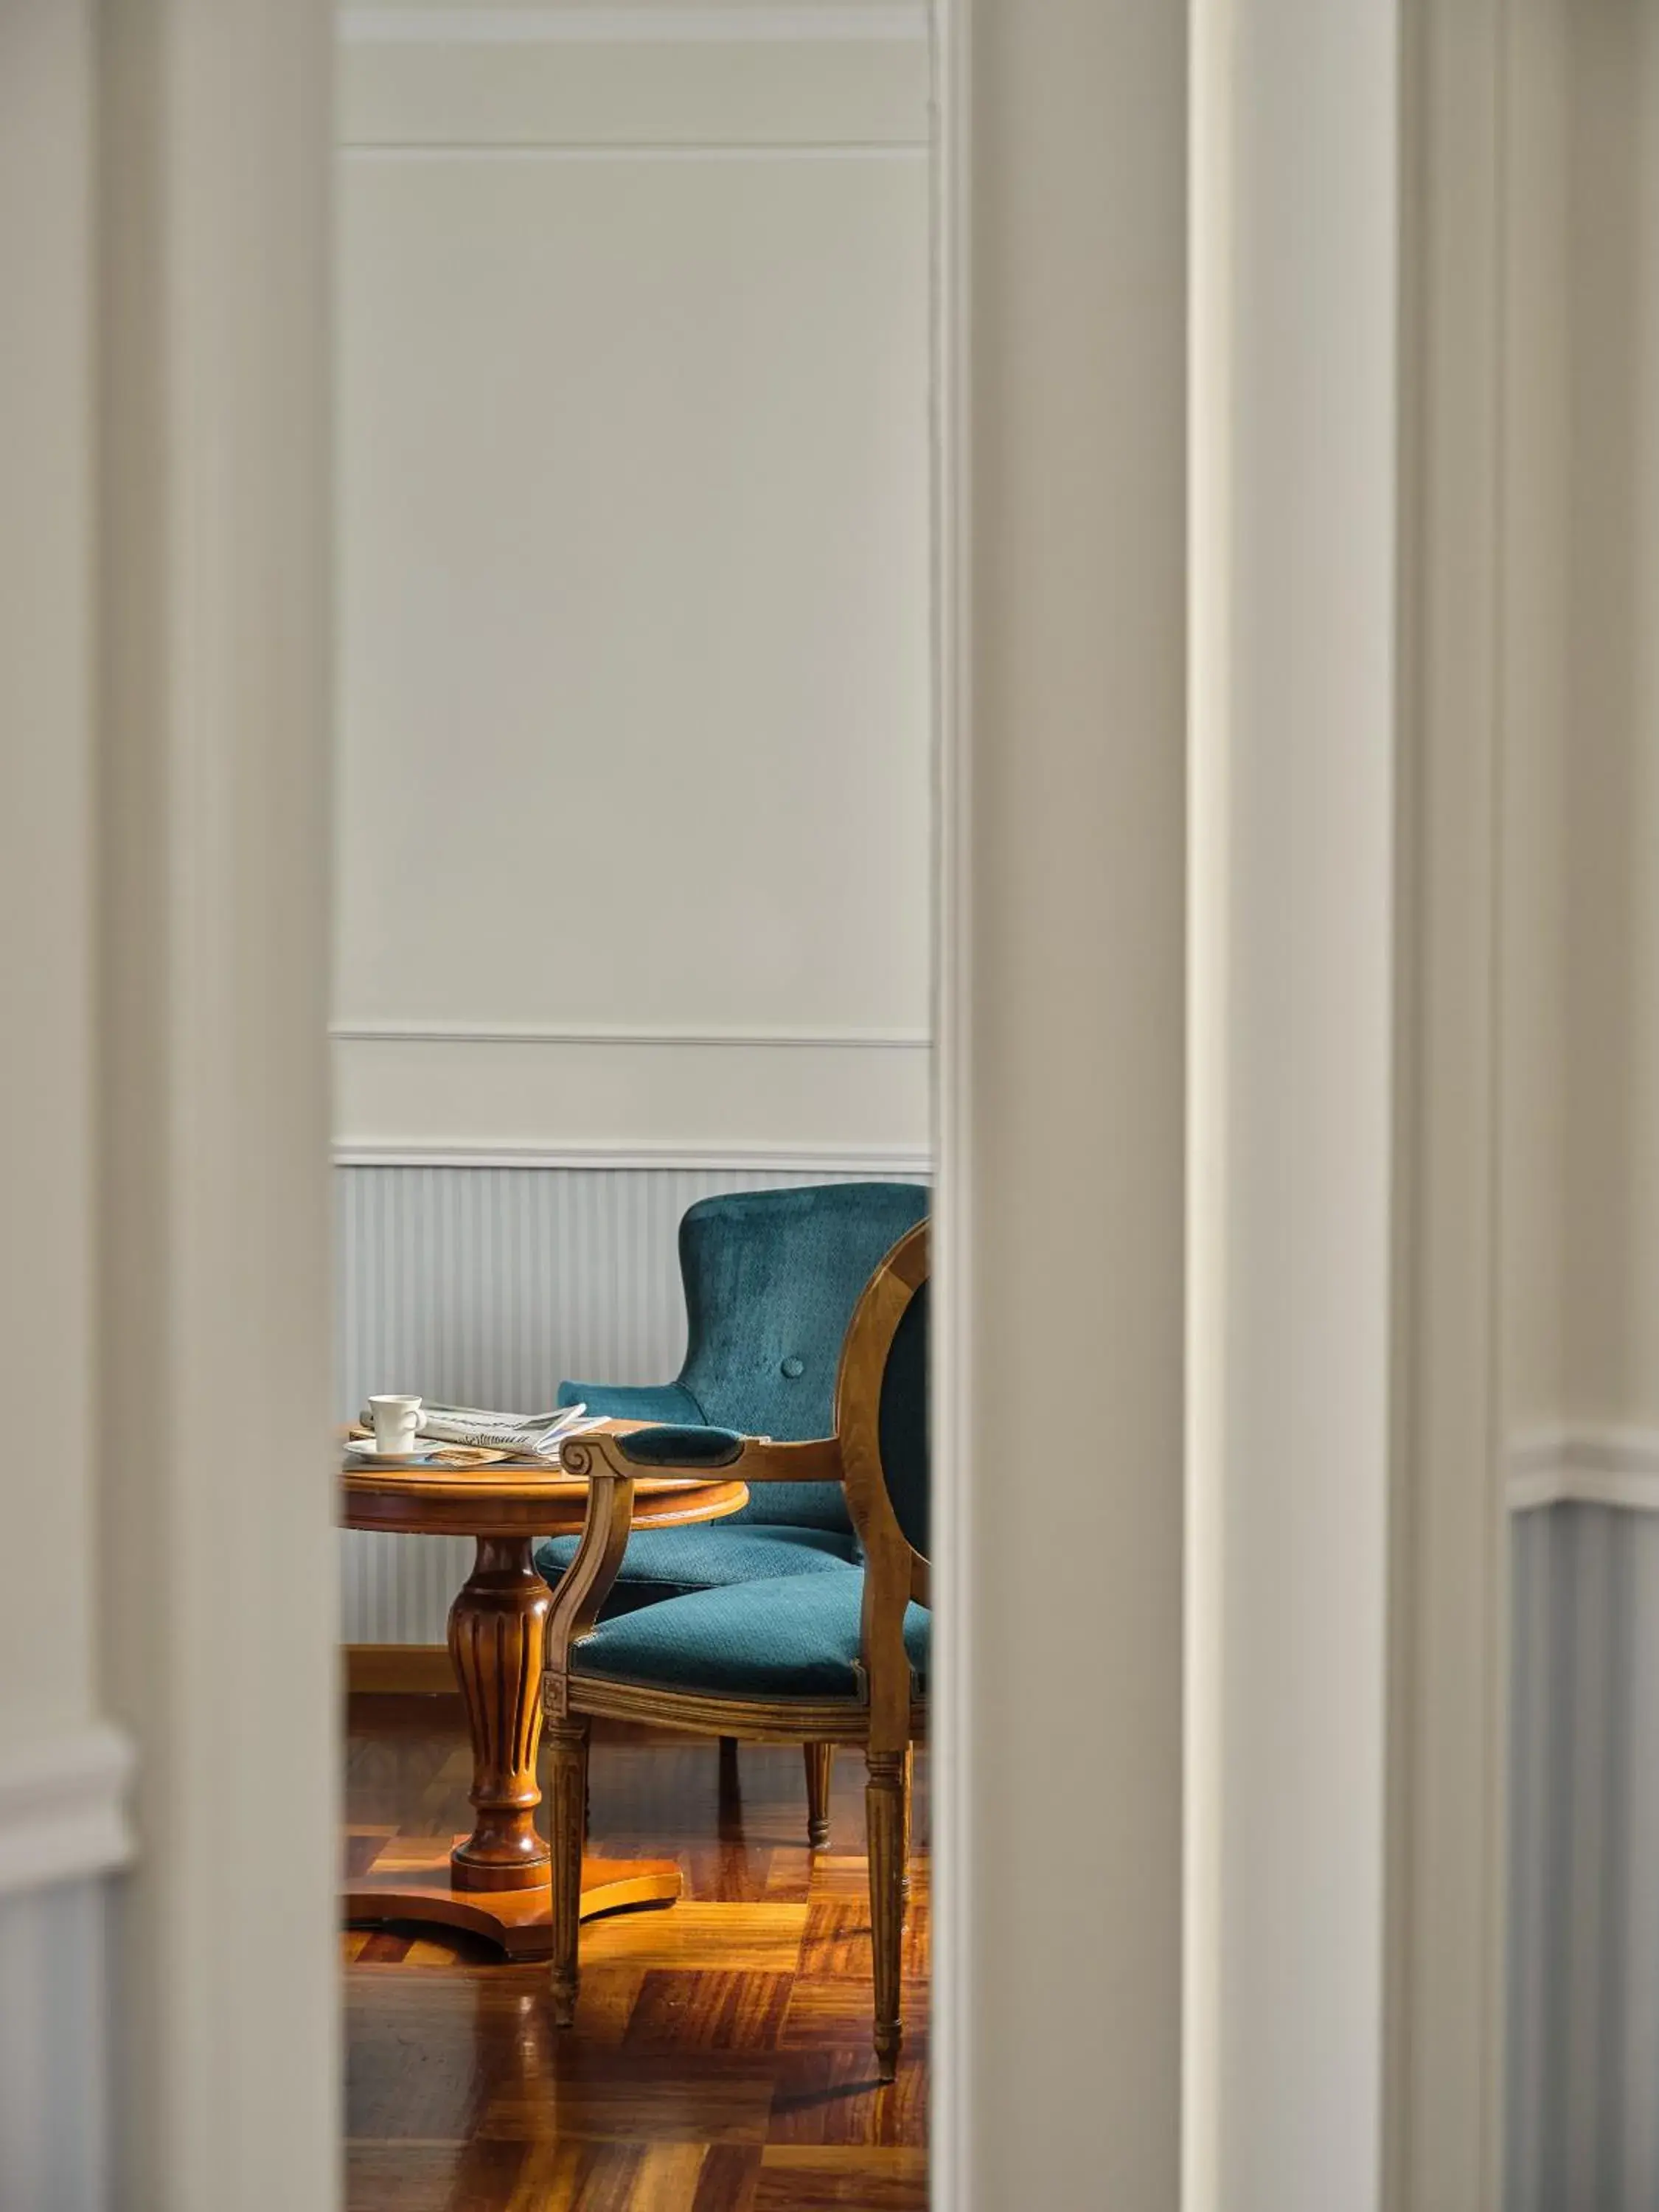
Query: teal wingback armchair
840	1658
771	1279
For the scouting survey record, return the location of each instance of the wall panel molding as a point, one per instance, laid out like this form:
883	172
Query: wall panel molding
367	1032
63	1806
714	1159
1617	1467
701	1099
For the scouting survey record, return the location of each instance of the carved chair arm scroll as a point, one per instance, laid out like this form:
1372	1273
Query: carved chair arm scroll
586	1583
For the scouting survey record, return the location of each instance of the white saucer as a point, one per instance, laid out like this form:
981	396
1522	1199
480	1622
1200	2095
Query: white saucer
428	1452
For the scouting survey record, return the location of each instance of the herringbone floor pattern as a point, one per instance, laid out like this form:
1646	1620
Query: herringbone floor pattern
720	2060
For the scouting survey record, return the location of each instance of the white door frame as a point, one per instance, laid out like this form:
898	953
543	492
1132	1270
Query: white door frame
1412	1989
219	1608
1062	310
1063	1065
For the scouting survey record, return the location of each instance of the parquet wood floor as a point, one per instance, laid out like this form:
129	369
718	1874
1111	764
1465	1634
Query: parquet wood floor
720	2060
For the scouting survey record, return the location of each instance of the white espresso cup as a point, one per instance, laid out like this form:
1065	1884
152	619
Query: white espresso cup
396	1421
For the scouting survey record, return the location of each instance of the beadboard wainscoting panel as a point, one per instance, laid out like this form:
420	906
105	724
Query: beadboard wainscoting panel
488	1285
1583	2102
54	2051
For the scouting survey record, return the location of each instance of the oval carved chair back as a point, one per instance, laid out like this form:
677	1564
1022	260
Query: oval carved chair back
881	1421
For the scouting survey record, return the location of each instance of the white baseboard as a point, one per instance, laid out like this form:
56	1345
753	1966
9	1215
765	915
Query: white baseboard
1585	1467
63	1806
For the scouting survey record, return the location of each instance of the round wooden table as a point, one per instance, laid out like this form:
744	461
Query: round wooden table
497	1881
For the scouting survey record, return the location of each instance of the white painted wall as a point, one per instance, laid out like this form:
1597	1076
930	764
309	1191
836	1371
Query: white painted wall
635	673
1581	670
46	832
1581	1156
1610	732
1531	672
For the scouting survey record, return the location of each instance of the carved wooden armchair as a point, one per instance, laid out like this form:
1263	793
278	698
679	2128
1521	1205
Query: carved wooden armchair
822	1659
771	1277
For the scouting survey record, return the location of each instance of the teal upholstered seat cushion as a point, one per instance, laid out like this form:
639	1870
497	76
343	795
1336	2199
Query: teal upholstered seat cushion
786	1637
668	1562
771	1279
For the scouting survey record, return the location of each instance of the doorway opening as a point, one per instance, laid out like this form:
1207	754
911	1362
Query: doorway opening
632	1034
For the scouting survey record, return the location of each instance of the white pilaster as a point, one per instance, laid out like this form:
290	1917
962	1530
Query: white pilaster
1297	197
1061	1198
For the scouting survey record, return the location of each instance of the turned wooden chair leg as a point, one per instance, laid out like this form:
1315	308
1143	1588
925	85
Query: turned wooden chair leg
567	1815
887	1829
820	1763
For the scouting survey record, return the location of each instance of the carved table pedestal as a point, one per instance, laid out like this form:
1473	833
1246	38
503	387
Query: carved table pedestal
496	1881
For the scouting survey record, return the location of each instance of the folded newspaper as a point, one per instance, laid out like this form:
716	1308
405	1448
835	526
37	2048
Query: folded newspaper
532	1436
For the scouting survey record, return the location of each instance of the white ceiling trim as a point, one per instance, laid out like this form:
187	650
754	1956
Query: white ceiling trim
589	25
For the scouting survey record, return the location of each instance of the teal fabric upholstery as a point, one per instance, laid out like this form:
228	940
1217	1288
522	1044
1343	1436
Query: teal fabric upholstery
621	1401
680	1447
666	1563
771	1279
782	1638
906	1459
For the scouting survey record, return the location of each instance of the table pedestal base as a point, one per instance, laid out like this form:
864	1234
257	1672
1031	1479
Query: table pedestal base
410	1879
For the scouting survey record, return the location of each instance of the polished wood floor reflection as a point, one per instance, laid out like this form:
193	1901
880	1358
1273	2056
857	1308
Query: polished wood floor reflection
720	2060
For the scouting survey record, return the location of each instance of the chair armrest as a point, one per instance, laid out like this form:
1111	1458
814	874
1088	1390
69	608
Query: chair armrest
697	1451
681	1446
585	1584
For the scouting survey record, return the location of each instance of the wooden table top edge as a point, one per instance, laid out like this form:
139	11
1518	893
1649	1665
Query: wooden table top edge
515	1497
